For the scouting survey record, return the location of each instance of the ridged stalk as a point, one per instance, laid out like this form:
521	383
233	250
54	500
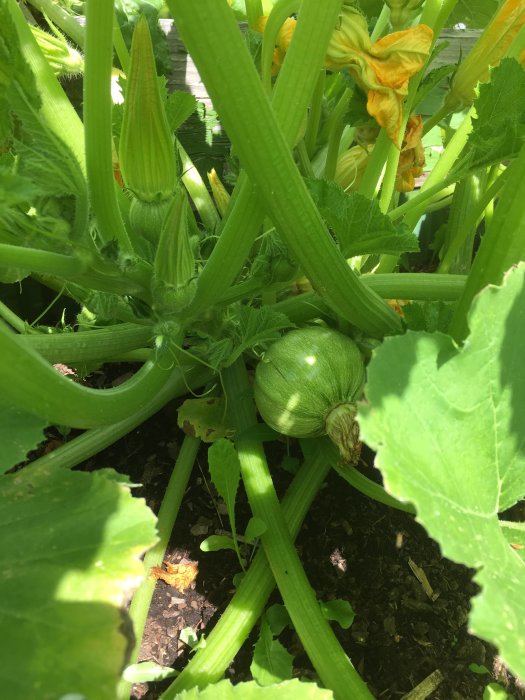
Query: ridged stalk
28	382
247	605
211	35
291	95
327	656
502	246
178	382
98	123
89	346
169	509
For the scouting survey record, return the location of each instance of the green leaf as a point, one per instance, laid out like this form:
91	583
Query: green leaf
20	432
515	535
448	425
494	691
339	610
179	107
67	566
431	81
271	662
224	690
255	528
148	672
205	418
278	618
428	316
499	129
216	543
189	637
225	472
357	222
255	329
474	13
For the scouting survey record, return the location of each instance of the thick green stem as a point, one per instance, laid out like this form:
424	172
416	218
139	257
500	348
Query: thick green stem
32	384
98	123
120	45
290	98
443	166
197	190
328	658
280	12
12	319
502	246
211	34
89	346
336	131
457	251
71	268
169	509
314	115
247	605
91	442
254	10
41	261
419	286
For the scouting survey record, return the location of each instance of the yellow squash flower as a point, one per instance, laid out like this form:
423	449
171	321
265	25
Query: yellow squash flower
488	51
383	68
283	40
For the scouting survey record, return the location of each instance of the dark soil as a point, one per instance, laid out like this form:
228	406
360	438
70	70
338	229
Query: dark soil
351	548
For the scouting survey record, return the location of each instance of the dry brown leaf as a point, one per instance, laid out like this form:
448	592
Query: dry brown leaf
180	576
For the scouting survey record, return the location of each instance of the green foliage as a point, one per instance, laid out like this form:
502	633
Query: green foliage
244	329
357	222
205	418
499	128
20	432
147	672
69	563
426	400
224	690
429	316
225	472
339	610
271	662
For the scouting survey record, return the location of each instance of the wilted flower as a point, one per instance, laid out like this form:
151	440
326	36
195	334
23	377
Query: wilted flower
412	156
383	68
283	40
487	52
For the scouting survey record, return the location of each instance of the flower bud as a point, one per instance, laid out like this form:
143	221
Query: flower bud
402	12
351	166
173	284
221	196
146	152
63	58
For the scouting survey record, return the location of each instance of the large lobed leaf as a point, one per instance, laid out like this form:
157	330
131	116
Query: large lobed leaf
69	559
224	690
448	425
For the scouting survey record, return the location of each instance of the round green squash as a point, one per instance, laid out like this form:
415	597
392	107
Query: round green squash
307	383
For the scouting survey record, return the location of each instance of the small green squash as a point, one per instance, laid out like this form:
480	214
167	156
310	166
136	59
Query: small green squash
307	383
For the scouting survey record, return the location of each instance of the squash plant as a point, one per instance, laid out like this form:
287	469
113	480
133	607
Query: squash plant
288	275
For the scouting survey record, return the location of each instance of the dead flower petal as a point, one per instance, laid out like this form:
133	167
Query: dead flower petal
180	576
